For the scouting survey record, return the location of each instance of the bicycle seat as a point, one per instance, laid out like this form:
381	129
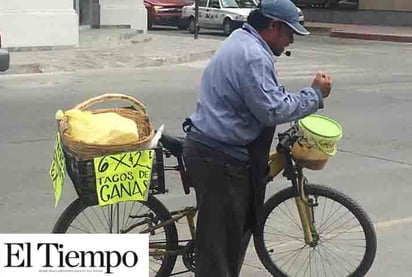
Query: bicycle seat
173	144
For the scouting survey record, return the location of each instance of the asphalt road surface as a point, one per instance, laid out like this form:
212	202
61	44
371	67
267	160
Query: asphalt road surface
371	99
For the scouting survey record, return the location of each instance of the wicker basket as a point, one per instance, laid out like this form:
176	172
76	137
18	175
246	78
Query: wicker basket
308	156
137	112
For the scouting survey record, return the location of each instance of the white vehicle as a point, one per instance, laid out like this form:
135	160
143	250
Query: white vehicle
226	15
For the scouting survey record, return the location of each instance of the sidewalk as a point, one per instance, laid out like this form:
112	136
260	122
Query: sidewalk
113	48
123	48
365	32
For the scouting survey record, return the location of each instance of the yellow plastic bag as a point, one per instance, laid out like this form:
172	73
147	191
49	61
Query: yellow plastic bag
100	128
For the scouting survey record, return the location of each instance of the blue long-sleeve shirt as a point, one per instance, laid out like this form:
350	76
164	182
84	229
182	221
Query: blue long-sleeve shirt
240	95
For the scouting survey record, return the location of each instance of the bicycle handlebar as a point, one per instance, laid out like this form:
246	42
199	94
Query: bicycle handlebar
284	140
287	138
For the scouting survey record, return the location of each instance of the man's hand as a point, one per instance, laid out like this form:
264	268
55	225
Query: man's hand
323	82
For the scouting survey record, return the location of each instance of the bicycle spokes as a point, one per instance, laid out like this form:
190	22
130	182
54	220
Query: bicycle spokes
126	217
337	243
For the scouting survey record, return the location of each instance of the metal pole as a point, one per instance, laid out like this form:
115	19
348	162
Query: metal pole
95	14
196	18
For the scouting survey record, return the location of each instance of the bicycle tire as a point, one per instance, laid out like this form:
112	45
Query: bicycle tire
328	193
153	204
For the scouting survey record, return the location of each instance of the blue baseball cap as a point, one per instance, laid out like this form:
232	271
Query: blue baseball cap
285	11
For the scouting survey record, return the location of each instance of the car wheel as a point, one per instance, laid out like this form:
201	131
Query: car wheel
192	25
227	27
181	26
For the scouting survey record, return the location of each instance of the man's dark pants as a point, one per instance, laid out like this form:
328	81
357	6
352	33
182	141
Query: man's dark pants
224	197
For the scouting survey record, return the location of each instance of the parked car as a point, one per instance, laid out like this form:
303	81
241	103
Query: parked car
165	12
4	58
226	15
301	16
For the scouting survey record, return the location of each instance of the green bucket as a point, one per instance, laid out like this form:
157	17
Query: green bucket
323	131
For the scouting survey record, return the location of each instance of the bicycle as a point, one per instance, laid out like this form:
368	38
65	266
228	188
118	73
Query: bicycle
303	236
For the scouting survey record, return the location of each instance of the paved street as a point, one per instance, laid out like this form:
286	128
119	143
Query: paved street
371	99
102	49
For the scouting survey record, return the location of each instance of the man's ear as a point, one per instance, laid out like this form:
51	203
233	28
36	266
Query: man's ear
272	25
277	24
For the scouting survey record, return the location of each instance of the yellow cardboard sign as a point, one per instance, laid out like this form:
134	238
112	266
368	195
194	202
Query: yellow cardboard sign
123	177
57	169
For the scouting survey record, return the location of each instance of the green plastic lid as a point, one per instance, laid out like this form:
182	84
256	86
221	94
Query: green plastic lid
321	126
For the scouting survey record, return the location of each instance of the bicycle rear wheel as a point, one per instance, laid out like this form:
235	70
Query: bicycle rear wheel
132	216
347	239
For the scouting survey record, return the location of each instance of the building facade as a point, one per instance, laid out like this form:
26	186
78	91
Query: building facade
39	23
362	12
28	23
386	5
50	23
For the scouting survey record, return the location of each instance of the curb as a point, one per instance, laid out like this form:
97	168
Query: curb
38	68
366	36
122	40
135	41
317	30
128	38
191	57
24	69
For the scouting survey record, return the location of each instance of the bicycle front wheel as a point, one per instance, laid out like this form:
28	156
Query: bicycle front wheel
346	244
127	217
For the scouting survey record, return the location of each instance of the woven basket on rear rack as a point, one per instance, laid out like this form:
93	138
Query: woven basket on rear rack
137	112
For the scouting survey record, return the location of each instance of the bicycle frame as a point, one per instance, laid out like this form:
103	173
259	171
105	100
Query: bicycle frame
159	249
279	161
189	213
